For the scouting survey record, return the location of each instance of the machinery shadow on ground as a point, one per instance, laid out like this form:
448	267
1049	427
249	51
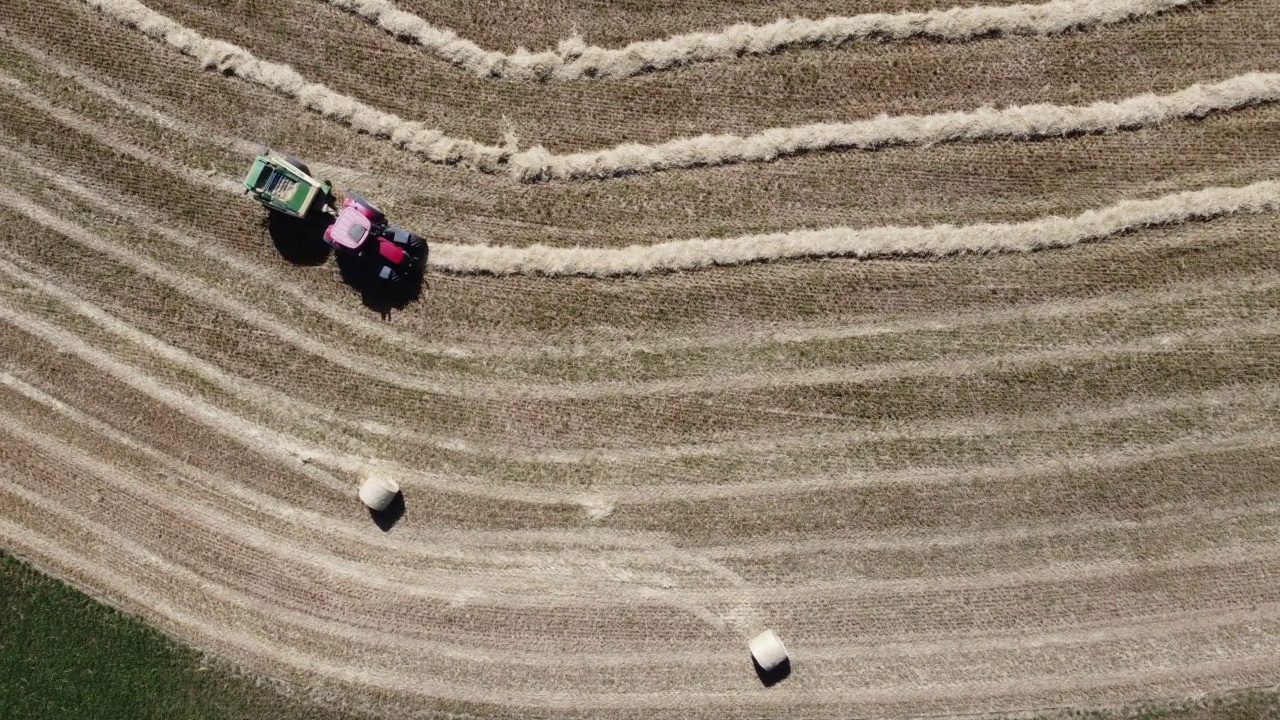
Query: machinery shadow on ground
387	519
769	678
381	296
299	241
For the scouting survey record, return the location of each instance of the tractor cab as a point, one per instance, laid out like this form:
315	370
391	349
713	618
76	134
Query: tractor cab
362	229
358	219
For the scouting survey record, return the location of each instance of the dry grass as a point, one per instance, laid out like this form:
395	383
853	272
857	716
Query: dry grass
953	481
574	59
937	241
539	164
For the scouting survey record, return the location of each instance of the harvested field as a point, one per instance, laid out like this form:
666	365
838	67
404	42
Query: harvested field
944	343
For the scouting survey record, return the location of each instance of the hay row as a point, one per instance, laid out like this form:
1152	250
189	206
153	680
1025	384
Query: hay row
235	60
939	240
297	408
537	164
574	59
1043	120
863	243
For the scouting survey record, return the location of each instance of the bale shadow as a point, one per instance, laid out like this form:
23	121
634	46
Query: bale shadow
769	678
360	273
300	241
387	519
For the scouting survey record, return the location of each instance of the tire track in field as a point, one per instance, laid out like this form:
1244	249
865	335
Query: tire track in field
574	59
448	547
1058	418
797	333
282	446
746	549
710	338
296	410
951	367
515	589
18	88
931	647
1191	445
940	240
453	386
538	164
1036	579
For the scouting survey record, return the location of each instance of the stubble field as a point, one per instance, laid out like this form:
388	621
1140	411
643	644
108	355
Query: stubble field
659	394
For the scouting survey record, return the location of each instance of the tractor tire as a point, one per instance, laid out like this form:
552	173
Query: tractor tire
297	163
408	241
388	275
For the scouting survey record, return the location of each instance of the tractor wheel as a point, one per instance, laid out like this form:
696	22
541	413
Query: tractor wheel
408	241
297	163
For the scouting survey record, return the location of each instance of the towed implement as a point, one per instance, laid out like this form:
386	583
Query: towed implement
354	226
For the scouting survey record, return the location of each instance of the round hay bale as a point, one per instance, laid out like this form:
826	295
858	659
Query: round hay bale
768	650
378	492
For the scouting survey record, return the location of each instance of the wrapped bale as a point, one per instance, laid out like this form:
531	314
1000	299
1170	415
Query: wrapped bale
377	492
768	651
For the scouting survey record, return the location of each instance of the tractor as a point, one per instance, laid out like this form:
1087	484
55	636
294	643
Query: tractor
355	226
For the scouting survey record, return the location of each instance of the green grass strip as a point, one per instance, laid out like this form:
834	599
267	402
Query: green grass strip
64	655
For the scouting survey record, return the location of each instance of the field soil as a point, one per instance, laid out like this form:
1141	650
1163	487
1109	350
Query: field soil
953	485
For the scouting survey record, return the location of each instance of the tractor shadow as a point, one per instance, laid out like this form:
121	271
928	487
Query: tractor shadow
387	519
381	296
299	241
769	678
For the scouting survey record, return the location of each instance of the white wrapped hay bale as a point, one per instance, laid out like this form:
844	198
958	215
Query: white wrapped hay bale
768	650
377	492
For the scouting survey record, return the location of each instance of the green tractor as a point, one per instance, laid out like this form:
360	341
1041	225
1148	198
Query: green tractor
284	184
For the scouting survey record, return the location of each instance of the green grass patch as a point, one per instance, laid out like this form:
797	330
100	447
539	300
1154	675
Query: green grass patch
64	655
